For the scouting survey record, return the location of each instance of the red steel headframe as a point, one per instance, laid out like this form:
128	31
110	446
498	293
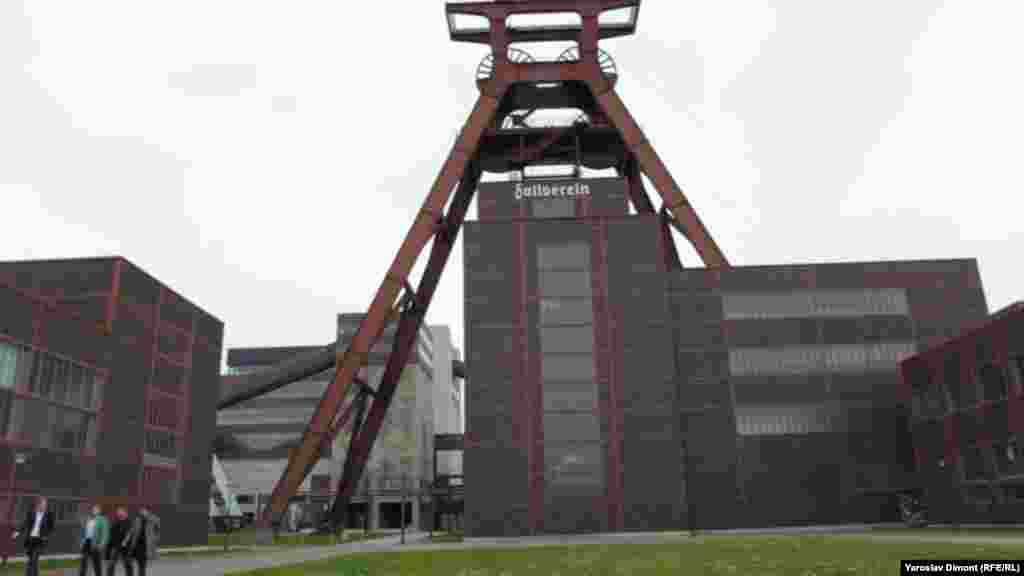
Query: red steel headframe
433	224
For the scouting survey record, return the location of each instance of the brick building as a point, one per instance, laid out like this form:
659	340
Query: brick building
609	390
108	390
967	418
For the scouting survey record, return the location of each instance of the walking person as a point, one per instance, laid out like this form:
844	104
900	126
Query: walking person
117	549
37	527
143	539
95	534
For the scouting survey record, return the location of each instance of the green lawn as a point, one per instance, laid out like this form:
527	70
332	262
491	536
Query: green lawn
715	555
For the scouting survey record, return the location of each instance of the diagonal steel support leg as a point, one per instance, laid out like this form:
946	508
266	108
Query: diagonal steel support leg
678	205
643	205
405	339
336	517
372	326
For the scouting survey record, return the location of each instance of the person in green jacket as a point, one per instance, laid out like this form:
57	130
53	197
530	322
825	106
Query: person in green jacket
95	534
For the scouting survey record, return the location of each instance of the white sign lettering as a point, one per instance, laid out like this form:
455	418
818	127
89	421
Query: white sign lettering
551	190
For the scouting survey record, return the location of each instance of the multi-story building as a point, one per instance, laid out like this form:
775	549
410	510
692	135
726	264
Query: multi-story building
255	437
447	400
108	390
967	418
609	390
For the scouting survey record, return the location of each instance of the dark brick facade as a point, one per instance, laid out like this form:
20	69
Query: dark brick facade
966	396
161	363
690	435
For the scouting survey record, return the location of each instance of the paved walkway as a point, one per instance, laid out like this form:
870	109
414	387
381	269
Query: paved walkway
273	556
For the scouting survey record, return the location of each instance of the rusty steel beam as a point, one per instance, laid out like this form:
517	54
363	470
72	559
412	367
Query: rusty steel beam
248	386
643	205
635	186
336	517
675	201
372	325
336	427
408	329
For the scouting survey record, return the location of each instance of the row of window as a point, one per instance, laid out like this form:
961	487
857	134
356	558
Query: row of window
884	356
573	454
814	304
1004	458
992	382
64	511
574	464
769	420
162	444
49	376
47	425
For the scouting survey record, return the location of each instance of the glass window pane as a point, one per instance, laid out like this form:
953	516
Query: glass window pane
565	283
88	383
60	377
97	391
74	391
571	427
578	465
46	376
570	397
567	339
566	367
554	208
568	256
69	436
9	355
27	359
90	433
566	311
815	304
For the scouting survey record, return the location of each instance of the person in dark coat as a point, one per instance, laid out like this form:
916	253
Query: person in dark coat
117	549
36	527
144	538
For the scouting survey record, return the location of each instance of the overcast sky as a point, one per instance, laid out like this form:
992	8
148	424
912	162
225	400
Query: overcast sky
266	158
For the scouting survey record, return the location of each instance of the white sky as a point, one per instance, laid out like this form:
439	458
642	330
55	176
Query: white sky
265	159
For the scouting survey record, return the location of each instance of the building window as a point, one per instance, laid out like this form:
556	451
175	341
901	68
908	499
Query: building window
570	396
882	356
62	417
163	444
554	208
566	311
993	382
1016	366
951	380
814	304
578	367
567	339
574	464
781	419
9	359
567	256
561	283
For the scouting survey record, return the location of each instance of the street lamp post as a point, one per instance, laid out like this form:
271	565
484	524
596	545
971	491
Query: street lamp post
18	460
